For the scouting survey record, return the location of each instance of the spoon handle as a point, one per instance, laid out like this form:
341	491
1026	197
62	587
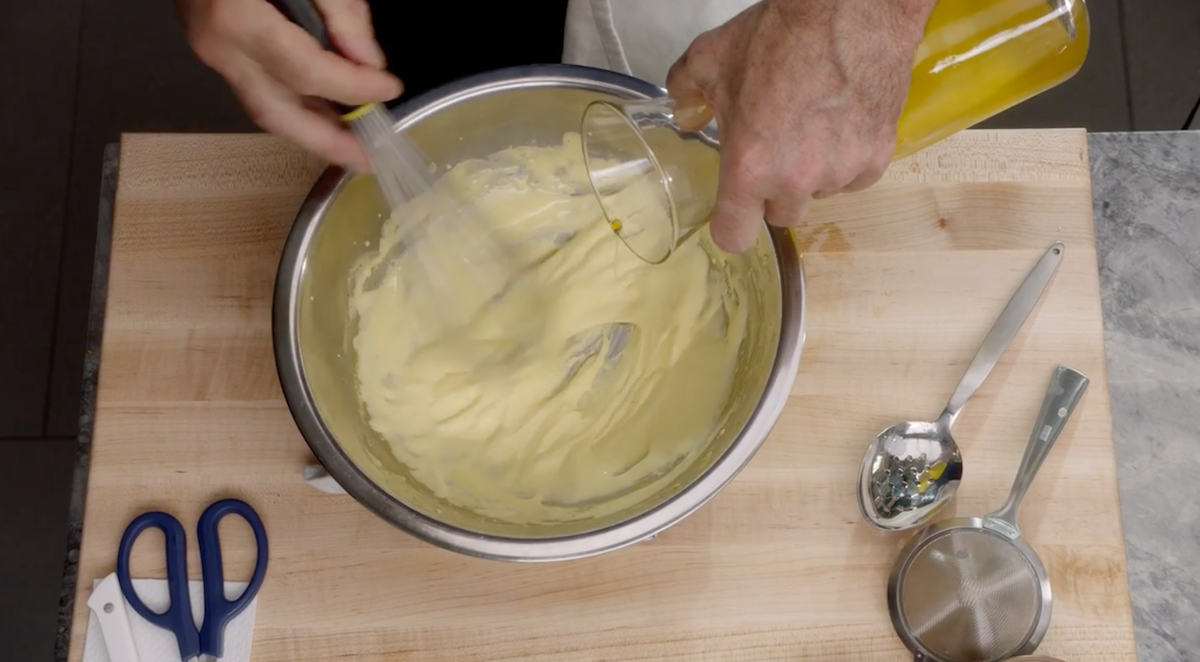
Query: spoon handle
1003	331
1065	390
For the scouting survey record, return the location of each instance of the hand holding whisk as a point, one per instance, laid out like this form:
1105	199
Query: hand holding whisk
460	256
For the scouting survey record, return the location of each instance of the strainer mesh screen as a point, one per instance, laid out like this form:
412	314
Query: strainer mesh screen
969	595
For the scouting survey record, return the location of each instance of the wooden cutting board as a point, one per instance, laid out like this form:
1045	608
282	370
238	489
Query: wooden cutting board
904	282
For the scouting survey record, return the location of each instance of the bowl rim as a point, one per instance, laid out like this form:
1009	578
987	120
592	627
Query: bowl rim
647	524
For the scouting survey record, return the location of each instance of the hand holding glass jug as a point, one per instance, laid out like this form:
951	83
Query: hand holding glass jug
977	58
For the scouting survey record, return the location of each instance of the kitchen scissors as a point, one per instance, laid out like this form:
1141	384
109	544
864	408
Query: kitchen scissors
207	642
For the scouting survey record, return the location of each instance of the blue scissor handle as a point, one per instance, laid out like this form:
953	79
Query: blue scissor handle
178	616
217	610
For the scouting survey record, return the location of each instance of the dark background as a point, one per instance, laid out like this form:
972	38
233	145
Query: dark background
77	73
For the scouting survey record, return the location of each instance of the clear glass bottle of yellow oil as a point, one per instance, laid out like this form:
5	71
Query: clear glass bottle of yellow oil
981	57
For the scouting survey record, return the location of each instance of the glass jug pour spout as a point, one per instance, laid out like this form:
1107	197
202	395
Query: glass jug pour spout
657	181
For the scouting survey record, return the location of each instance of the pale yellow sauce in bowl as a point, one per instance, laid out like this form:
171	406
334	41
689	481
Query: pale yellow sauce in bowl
628	381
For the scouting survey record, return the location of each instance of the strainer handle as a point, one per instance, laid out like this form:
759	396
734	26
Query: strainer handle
1065	390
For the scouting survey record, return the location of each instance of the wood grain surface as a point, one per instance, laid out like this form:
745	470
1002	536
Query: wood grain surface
904	281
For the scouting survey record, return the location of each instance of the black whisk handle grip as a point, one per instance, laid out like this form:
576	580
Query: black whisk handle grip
305	14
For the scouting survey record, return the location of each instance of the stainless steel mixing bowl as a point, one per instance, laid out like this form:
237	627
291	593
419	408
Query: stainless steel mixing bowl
313	335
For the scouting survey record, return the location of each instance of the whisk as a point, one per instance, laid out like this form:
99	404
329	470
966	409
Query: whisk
461	257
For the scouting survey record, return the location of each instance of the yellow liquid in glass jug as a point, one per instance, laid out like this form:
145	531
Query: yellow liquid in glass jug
981	57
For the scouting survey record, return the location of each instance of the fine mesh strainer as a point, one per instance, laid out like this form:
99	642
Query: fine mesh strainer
971	589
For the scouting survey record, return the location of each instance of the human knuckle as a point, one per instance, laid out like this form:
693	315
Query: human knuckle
202	34
359	9
346	12
755	156
702	52
845	172
265	116
205	47
800	181
224	17
877	166
304	80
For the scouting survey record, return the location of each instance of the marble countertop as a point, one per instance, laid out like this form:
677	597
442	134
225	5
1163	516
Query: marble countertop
1146	190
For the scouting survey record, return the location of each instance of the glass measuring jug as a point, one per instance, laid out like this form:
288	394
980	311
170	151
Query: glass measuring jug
656	181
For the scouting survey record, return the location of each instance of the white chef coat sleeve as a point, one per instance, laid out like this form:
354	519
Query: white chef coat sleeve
642	38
